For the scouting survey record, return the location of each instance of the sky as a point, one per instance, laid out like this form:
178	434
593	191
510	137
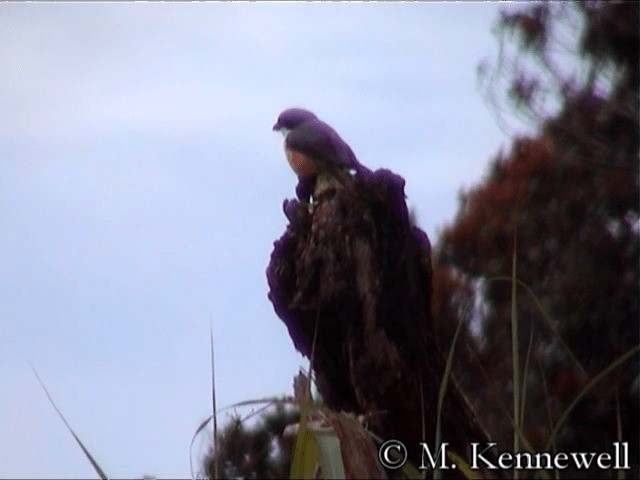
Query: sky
141	191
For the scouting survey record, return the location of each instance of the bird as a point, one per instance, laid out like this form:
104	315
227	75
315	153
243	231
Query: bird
314	149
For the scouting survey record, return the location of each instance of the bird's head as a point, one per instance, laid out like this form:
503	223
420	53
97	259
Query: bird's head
291	118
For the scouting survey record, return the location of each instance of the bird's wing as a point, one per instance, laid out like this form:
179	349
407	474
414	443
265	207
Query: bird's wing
320	142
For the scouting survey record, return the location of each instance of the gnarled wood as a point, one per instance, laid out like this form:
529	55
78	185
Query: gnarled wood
353	263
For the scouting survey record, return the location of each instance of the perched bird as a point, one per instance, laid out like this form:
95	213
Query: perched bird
314	149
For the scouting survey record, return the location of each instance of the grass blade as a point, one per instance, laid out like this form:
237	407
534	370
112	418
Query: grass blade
515	355
462	466
193	439
524	376
615	364
437	474
213	407
93	462
549	415
620	473
213	417
423	414
547	320
304	454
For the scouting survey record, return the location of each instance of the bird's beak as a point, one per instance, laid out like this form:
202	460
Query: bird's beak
277	126
282	130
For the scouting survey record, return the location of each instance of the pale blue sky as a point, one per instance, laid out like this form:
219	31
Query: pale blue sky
141	190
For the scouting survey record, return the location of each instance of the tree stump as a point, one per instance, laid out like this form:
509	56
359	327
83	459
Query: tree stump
352	269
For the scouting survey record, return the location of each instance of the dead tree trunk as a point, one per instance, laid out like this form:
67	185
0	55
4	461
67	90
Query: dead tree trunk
354	264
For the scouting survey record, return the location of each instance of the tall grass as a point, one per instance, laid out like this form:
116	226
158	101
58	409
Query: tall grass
520	381
310	450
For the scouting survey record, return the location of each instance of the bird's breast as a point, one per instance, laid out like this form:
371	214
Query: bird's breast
301	164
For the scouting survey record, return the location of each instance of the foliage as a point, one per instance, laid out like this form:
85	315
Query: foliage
254	451
569	194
